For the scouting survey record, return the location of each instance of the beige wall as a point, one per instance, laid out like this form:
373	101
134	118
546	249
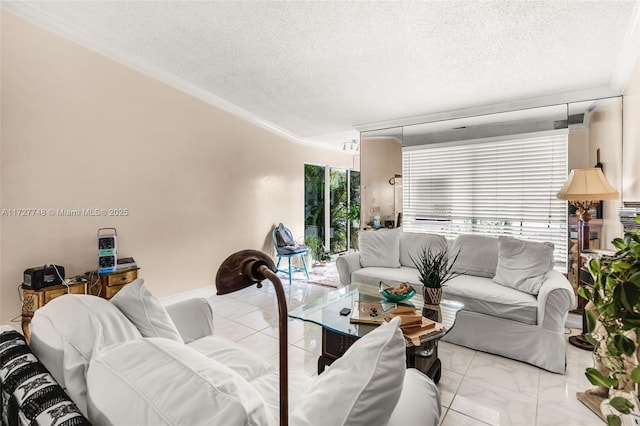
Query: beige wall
605	133
578	149
82	131
631	138
380	159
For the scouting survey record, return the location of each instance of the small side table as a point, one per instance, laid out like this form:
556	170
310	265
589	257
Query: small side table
108	285
32	300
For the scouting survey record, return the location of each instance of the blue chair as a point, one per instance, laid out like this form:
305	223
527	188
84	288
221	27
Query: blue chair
286	247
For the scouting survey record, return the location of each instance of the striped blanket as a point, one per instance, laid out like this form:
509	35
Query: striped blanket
30	395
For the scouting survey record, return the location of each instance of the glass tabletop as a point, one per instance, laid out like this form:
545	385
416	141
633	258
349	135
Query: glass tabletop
325	311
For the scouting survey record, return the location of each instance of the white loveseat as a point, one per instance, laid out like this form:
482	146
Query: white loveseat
518	318
133	362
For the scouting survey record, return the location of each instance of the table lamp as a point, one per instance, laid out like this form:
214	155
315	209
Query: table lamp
244	269
584	189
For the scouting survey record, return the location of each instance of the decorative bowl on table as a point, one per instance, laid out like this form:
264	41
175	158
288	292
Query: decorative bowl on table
397	293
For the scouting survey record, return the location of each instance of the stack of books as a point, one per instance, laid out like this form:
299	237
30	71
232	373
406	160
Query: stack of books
416	328
422	332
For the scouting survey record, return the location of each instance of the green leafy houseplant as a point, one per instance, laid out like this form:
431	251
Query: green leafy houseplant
434	270
615	329
353	216
316	249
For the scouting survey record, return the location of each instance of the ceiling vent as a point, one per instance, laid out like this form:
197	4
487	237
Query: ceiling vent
576	121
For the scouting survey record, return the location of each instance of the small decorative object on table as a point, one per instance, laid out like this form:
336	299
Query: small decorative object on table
396	294
434	270
367	312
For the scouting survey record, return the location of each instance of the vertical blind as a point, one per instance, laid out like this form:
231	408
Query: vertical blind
491	187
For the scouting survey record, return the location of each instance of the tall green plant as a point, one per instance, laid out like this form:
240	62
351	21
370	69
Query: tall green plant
316	248
616	297
434	268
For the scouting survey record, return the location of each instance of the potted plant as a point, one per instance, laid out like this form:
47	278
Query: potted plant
316	249
434	270
615	326
353	215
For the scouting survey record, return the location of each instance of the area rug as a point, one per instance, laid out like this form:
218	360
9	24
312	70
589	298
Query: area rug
326	276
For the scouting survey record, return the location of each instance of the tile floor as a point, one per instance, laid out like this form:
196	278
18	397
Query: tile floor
476	388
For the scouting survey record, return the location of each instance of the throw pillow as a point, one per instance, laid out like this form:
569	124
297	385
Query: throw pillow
154	381
145	311
380	248
523	265
360	389
412	244
478	255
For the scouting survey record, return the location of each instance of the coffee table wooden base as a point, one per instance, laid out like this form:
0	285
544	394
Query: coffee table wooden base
334	345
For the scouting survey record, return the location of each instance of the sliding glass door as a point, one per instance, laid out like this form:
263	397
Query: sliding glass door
338	210
314	202
332	200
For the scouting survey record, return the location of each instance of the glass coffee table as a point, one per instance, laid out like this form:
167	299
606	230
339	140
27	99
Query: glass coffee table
338	333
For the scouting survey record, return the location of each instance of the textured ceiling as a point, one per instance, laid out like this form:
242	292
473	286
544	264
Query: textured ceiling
318	70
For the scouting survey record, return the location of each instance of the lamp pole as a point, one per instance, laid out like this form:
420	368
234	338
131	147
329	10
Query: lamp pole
244	269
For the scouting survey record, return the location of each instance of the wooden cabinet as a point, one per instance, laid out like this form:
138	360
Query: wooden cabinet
108	285
103	285
32	300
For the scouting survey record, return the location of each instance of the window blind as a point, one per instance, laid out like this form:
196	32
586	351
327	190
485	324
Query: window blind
490	187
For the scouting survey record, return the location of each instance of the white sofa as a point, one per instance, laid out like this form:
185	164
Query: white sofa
134	362
523	319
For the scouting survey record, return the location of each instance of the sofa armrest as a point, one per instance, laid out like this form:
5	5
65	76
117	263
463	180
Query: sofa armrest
193	318
555	299
346	264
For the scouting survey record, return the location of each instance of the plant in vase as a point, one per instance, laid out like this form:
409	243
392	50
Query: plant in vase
353	216
614	326
316	248
434	270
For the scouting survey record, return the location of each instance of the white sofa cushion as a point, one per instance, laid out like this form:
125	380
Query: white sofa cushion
419	402
156	381
69	330
380	248
237	358
523	265
412	244
268	386
478	255
360	388
480	294
145	311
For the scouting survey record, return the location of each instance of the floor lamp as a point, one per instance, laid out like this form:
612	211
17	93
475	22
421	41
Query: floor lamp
244	269
584	189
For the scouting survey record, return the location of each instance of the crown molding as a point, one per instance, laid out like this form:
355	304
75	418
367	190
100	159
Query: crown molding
538	102
35	16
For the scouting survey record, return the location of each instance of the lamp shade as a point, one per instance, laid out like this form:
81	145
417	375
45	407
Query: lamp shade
587	185
242	270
